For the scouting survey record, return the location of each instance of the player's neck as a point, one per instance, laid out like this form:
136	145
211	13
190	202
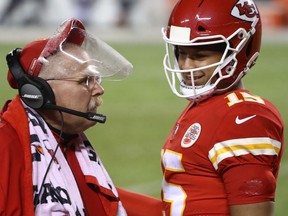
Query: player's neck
237	86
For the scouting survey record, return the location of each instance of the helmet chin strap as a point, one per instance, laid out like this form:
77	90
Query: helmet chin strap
196	93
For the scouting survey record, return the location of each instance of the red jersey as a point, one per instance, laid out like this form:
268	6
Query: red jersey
223	151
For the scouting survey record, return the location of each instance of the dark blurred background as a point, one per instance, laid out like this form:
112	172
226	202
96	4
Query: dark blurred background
143	18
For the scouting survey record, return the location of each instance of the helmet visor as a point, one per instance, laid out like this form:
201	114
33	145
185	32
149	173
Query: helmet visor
99	60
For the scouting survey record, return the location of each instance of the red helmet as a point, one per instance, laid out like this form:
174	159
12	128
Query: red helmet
234	23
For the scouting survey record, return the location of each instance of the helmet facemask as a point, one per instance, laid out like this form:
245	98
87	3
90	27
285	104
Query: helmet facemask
223	76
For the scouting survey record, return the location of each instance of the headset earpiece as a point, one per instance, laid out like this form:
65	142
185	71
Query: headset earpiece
34	91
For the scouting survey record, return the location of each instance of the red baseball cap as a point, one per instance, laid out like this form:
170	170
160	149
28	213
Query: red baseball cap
70	31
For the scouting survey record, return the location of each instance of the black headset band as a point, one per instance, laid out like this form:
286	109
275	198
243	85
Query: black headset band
34	91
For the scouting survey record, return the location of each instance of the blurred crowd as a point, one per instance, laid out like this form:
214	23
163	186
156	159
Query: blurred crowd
120	13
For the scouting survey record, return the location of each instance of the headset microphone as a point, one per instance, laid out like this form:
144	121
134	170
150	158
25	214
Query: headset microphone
90	116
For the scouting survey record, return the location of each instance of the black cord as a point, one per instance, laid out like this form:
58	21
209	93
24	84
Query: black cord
50	163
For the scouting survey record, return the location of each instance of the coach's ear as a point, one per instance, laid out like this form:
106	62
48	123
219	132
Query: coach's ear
139	204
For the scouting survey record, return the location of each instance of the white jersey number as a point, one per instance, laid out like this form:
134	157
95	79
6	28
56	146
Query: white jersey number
174	194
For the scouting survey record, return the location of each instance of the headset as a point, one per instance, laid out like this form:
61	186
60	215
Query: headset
37	93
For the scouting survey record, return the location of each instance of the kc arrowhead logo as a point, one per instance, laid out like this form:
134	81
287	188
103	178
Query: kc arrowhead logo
245	10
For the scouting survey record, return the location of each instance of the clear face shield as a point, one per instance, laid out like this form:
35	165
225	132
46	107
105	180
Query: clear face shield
83	55
191	89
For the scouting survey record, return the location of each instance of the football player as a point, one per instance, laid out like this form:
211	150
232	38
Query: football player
222	156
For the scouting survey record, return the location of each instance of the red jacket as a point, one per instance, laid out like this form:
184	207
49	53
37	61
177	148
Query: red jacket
16	191
16	162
